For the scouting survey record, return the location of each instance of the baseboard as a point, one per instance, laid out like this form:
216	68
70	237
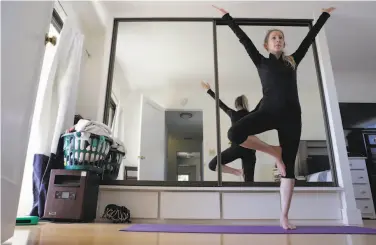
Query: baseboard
229	222
352	217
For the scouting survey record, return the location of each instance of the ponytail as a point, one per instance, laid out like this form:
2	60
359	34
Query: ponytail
289	60
244	102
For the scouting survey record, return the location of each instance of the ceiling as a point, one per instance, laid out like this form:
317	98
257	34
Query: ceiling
349	31
181	128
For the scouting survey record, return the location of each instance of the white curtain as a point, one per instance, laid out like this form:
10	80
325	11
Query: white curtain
59	96
54	113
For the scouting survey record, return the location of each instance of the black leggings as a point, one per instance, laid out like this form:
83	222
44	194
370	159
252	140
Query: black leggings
247	156
288	124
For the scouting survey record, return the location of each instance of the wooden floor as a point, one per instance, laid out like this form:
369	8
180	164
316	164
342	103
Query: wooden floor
72	234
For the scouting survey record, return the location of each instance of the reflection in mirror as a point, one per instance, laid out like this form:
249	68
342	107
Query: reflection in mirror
238	76
184	135
165	114
189	166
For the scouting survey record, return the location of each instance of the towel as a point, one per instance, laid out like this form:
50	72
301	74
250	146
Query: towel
93	127
118	145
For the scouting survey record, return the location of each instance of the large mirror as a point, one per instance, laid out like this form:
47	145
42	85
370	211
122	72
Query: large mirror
168	120
162	105
238	76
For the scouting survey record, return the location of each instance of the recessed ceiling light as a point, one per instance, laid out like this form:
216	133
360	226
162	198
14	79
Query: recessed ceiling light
186	115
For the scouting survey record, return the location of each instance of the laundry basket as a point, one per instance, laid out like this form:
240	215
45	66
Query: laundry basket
112	164
85	151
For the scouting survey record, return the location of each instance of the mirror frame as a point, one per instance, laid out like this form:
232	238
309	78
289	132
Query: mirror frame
218	22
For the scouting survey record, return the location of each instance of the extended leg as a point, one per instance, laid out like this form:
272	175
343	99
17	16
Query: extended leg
289	138
243	133
249	162
227	156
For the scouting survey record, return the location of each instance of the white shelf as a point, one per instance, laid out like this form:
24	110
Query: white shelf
215	189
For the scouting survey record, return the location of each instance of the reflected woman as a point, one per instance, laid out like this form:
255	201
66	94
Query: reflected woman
248	156
280	107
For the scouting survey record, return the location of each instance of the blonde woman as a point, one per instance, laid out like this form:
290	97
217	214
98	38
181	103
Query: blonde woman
280	107
248	156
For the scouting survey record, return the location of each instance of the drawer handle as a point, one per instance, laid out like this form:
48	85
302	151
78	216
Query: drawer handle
363	192
360	178
366	207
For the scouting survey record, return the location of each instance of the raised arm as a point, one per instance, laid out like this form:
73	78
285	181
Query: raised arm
308	40
222	105
243	38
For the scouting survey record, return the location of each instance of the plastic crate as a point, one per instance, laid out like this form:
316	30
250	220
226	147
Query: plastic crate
112	164
85	151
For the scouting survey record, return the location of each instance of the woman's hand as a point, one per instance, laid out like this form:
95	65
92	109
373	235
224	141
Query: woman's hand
328	10
221	10
205	85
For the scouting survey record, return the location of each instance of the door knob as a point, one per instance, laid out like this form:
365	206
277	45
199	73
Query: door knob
51	40
141	157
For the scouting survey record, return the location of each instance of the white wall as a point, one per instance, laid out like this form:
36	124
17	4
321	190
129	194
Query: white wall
88	90
22	49
356	86
130	103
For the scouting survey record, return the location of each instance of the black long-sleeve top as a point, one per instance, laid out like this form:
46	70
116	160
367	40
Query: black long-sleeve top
279	83
234	115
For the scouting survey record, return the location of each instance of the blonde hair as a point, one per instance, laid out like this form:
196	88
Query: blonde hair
242	102
288	59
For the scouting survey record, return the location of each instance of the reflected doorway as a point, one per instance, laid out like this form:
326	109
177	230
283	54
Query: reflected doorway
189	166
184	144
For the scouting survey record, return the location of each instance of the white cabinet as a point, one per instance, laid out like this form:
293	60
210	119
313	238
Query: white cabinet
362	189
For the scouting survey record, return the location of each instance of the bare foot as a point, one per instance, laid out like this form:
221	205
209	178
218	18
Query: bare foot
285	224
278	157
238	172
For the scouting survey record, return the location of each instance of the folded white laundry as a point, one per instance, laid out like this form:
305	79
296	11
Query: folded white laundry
118	145
93	127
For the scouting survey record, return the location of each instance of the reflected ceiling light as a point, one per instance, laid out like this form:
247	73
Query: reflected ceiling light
186	115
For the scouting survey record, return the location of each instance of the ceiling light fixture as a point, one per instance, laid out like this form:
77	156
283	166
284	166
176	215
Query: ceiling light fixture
186	115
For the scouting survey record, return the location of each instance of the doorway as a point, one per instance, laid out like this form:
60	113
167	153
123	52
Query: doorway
188	166
184	141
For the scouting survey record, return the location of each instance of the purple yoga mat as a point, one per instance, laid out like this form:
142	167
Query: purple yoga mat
226	229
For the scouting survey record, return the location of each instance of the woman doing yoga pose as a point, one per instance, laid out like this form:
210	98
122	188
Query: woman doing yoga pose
279	108
248	156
